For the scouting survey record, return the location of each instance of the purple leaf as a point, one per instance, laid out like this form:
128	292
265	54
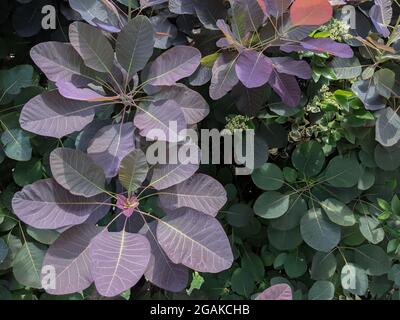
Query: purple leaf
135	44
76	172
195	240
166	32
381	15
173	65
161	271
72	90
87	134
167	175
276	292
53	207
286	87
119	260
291	47
92	46
248	16
200	192
328	45
59	61
292	32
209	12
182	7
69	255
50	114
230	38
162	120
277	8
224	76
105	26
195	108
287	65
98	13
253	68
150	3
200	77
110	145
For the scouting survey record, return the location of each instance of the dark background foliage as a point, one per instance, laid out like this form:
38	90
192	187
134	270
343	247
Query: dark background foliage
293	221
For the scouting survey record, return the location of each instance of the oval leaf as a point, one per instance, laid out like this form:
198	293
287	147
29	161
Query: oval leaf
69	256
76	172
52	115
53	207
200	192
119	260
195	240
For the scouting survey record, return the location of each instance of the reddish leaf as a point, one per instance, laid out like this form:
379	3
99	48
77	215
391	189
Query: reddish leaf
310	12
262	5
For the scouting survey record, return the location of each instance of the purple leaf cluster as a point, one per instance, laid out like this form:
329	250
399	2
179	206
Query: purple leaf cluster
251	65
93	73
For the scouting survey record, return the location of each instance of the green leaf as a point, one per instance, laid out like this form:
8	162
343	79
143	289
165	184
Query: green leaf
388	159
3	250
242	282
42	235
269	177
346	68
17	145
13	80
392	245
271	205
338	212
395	205
28	265
373	259
323	266
394	274
318	232
367	179
322	290
27	172
196	284
239	214
343	172
384	216
309	158
290	174
352	236
384	204
291	219
295	265
280	260
5	294
253	264
284	240
133	170
267	256
370	229
384	80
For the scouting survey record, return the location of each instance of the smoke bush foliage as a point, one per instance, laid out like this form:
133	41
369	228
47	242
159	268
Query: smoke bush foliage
318	218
